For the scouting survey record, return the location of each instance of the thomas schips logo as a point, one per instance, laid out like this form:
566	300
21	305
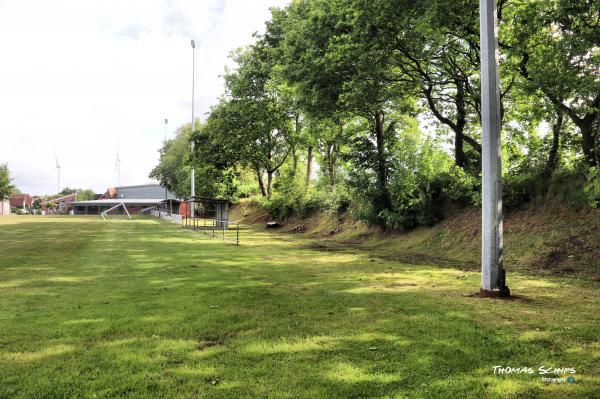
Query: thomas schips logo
549	374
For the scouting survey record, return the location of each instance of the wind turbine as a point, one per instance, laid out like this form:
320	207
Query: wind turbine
118	167
57	172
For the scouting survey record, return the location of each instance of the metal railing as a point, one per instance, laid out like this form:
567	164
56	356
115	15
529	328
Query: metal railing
172	217
223	229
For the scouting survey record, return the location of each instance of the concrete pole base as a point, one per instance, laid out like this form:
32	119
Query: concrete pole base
497	293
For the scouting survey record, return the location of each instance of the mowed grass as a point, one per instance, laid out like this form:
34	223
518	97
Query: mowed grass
143	308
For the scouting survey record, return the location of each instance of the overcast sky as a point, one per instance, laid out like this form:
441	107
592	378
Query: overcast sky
84	77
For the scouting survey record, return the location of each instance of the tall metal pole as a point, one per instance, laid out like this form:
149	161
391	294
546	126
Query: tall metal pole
493	281
118	166
57	173
193	183
166	123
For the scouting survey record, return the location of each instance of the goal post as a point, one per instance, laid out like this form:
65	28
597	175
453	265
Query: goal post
105	213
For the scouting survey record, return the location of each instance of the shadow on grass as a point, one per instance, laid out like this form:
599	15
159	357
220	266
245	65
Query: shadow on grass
160	312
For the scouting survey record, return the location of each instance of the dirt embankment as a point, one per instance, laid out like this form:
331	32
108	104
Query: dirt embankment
544	239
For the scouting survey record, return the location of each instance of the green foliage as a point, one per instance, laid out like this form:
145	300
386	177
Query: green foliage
173	170
554	46
82	195
422	198
212	178
68	190
246	183
381	100
291	197
568	187
6	186
592	187
422	179
520	189
85	195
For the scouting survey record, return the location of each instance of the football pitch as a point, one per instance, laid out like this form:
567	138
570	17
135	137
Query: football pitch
144	308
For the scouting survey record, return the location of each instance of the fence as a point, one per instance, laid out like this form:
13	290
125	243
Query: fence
172	217
222	229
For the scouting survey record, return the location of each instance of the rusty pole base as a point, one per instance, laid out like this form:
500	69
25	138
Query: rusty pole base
497	293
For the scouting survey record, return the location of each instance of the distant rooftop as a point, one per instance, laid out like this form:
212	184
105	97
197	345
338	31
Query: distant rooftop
120	200
140	185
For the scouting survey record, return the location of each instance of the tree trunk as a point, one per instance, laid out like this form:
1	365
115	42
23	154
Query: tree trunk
269	182
459	151
294	161
553	155
381	167
586	126
297	129
458	126
261	184
309	156
330	164
461	121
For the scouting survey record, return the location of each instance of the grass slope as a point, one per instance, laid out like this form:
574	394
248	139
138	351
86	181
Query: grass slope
143	308
544	239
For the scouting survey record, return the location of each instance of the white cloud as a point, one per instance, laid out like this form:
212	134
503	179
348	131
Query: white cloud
85	76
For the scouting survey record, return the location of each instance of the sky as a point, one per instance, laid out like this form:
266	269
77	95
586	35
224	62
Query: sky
88	78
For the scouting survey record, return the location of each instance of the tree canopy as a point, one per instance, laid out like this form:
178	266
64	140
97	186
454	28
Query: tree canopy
374	107
6	186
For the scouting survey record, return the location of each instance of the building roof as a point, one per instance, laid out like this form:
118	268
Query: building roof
66	198
206	199
140	185
111	192
18	199
175	200
116	201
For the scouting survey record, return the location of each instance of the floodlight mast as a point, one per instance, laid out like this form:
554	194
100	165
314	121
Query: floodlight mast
193	177
118	166
493	281
58	173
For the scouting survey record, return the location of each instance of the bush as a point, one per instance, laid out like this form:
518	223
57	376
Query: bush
460	186
591	188
518	190
569	187
303	203
421	200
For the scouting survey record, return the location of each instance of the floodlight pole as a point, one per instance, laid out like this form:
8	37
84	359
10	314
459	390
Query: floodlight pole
166	123
193	183
493	282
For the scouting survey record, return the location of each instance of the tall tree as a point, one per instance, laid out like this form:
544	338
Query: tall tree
173	170
337	62
6	186
251	124
437	46
85	195
555	44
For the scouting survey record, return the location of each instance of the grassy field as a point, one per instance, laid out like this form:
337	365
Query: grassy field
138	309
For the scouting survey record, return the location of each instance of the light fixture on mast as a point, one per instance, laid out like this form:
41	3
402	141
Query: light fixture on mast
118	167
57	173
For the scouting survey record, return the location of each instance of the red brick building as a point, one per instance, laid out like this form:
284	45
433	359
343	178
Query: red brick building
21	200
60	204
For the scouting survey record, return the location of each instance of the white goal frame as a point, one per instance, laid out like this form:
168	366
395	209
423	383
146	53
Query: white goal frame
105	213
